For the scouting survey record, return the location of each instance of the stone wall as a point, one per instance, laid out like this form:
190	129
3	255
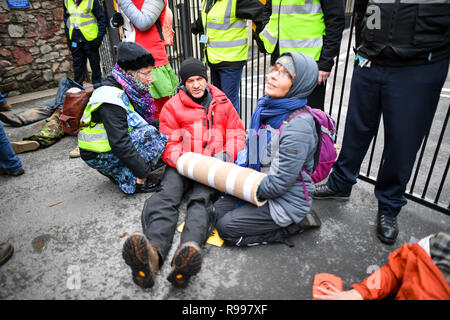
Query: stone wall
33	48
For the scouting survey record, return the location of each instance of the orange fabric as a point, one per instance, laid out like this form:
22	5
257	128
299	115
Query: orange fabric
192	128
409	275
151	40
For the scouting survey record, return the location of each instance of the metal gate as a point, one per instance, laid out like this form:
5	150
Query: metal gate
428	184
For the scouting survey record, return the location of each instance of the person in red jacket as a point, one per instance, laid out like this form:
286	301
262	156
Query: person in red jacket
419	271
199	118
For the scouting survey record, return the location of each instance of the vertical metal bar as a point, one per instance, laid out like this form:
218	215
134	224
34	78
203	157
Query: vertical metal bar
352	23
419	162
186	27
444	177
369	166
246	97
438	146
336	68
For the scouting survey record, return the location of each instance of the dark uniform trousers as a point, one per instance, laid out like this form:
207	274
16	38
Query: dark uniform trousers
80	54
407	98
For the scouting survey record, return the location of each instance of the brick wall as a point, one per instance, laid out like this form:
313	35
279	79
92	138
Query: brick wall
33	47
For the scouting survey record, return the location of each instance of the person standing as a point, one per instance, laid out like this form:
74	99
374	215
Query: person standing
85	26
311	27
401	65
144	27
224	31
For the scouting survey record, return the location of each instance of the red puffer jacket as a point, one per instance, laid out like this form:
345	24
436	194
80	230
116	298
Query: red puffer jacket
193	128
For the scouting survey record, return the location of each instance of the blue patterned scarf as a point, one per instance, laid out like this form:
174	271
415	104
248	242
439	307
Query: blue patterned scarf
139	94
272	112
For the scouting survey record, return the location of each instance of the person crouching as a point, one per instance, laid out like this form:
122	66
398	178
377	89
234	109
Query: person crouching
116	137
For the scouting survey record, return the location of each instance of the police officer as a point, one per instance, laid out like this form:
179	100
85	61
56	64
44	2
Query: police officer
311	27
224	32
85	26
403	49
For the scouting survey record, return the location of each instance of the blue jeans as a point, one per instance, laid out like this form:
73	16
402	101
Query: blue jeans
8	159
228	80
39	113
407	98
2	99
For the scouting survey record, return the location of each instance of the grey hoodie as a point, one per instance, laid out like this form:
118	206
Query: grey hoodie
294	150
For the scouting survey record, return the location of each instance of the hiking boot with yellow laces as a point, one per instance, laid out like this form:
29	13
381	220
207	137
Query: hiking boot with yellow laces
142	257
186	262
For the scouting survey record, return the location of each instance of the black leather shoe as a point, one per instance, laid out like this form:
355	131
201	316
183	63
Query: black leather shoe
387	228
323	192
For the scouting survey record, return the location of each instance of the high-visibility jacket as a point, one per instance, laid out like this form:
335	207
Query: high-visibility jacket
82	18
227	34
297	25
93	136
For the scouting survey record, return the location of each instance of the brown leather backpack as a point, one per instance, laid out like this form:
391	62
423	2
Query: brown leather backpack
73	108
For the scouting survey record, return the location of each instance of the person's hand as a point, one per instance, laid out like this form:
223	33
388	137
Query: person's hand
140	181
96	43
334	294
323	76
117	20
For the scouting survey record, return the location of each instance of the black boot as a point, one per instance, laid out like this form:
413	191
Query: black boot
387	229
324	192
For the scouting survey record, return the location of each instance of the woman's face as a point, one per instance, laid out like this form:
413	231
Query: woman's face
144	75
279	82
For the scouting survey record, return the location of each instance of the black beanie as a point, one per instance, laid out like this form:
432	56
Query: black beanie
192	67
132	56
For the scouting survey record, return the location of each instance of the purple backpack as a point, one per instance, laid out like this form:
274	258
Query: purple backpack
325	154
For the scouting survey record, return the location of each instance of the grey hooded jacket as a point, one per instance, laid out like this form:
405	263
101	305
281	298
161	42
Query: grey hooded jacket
291	152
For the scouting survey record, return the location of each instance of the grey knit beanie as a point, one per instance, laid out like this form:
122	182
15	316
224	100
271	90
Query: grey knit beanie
304	77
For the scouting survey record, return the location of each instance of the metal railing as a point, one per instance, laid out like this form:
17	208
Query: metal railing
427	185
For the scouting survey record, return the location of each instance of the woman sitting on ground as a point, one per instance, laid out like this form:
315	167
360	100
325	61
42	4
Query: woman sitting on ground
285	156
115	139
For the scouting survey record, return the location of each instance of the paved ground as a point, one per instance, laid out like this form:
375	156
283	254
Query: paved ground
64	220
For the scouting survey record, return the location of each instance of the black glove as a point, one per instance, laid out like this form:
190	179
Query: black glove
96	42
117	20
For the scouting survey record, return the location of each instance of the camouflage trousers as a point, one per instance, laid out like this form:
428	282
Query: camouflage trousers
50	133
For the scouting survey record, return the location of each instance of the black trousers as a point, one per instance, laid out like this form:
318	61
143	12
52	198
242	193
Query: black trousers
80	54
160	213
407	98
317	98
243	224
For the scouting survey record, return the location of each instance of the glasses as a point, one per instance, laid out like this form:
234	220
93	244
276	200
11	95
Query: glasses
279	72
147	75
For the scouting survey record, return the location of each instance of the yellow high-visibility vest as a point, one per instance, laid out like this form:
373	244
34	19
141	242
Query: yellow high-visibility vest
227	35
297	25
92	136
82	18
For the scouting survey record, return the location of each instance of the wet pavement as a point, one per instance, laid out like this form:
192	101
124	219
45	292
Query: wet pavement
65	220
